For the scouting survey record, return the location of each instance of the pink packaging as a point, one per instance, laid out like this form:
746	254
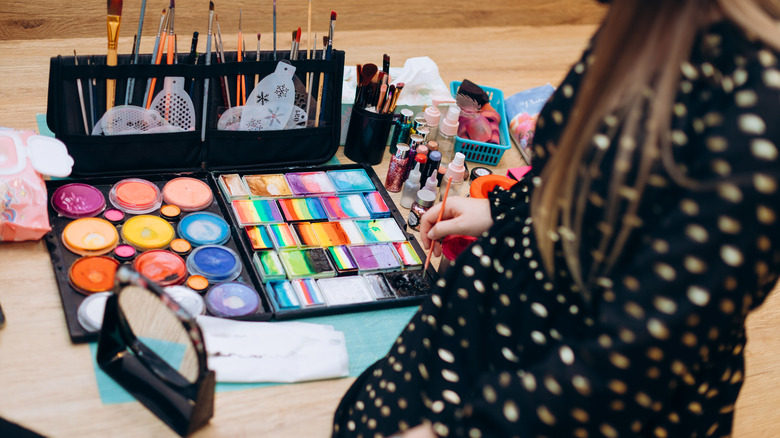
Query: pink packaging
23	157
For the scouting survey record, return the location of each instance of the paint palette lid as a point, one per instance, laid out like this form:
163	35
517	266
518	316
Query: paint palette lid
187	299
345	290
78	200
377	257
283	295
89	275
268	186
351	181
189	194
148	232
90	236
216	263
161	266
204	228
256	211
309	183
302	209
269	265
232	299
91	311
136	196
345	207
311	262
233	186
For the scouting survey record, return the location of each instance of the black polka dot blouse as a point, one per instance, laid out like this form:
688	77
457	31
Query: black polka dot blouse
656	349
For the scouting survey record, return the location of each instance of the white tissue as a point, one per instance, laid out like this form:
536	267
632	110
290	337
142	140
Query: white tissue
242	351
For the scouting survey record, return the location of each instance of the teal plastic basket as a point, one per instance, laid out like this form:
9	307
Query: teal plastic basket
477	151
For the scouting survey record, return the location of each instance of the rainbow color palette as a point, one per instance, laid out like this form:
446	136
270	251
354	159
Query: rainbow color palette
268	186
376	205
256	212
345	290
377	257
283	295
233	186
409	257
355	236
306	236
302	209
311	262
283	236
342	260
351	181
308	292
269	265
259	237
330	233
345	207
380	230
310	183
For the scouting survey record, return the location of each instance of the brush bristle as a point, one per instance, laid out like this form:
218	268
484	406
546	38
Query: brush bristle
298	36
211	6
114	7
258	37
324	41
172	5
332	15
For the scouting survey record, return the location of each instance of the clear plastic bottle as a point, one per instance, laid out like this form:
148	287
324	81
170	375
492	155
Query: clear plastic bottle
411	187
447	132
432	183
433	118
455	171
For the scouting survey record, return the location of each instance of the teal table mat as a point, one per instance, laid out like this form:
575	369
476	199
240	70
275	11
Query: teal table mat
369	337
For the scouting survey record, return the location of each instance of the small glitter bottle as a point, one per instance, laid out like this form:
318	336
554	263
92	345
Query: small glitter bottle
397	168
425	200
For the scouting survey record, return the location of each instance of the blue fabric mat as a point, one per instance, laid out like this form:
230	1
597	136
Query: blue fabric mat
369	337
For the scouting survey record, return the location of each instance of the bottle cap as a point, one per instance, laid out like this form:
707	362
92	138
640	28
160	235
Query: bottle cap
432	114
449	126
480	171
426	198
407	116
402	150
433	145
416	140
422	149
435	156
424	131
421	158
457	163
419	121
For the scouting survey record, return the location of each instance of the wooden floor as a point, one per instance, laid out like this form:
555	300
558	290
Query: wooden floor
48	384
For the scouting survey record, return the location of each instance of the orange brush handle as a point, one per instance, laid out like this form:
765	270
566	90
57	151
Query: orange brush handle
157	60
441	212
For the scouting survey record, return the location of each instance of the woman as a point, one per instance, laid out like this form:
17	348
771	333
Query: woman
608	294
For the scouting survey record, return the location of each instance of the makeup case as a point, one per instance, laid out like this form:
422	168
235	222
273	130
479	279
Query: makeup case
104	160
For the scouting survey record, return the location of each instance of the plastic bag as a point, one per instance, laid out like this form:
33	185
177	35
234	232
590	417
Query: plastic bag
23	199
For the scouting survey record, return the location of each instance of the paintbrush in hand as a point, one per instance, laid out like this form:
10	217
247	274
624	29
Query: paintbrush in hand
441	212
113	19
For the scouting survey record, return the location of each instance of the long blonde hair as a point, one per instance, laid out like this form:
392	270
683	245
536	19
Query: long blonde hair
634	76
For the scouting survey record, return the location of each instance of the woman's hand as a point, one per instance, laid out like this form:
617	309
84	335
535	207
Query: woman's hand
463	216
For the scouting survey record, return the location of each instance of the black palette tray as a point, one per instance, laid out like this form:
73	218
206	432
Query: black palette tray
62	258
405	297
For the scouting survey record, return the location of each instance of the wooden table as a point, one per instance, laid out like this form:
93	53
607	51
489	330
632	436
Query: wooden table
48	384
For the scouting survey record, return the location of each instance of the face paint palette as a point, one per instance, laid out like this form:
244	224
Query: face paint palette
283	295
269	265
308	292
310	263
256	212
268	186
376	205
379	286
376	257
302	209
168	248
380	230
345	290
283	236
342	260
306	236
309	183
259	237
345	207
408	256
330	233
351	181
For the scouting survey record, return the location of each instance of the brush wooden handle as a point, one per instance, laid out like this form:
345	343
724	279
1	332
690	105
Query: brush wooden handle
110	83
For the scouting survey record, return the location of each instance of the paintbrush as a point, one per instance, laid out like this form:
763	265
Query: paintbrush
92	97
296	44
441	212
206	79
239	54
158	59
398	88
136	49
113	18
160	28
386	63
274	30
311	91
390	94
81	96
257	58
364	79
192	59
171	36
221	59
320	88
328	53
308	46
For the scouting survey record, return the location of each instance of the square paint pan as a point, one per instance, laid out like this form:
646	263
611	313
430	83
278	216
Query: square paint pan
302	210
345	207
308	292
345	290
409	283
267	186
376	205
310	262
309	183
330	233
376	257
351	181
342	260
409	258
380	230
256	212
379	286
283	236
232	187
307	238
269	265
259	237
283	295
